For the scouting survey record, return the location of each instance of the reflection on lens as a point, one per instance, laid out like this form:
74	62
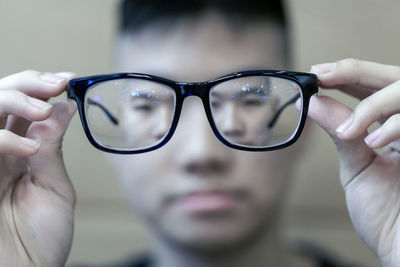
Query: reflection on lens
256	111
129	113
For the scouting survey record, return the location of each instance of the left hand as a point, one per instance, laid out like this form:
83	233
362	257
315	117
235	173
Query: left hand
370	179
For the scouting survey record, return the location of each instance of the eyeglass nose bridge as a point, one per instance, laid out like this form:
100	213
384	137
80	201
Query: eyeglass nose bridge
200	89
197	89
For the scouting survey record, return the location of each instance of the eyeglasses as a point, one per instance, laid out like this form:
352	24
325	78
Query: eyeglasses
128	113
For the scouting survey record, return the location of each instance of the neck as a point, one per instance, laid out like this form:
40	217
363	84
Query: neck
266	250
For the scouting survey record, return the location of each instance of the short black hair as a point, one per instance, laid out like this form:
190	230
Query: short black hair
137	14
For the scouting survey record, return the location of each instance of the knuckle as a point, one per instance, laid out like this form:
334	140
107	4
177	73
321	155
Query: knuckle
352	68
44	126
350	63
29	73
365	105
368	111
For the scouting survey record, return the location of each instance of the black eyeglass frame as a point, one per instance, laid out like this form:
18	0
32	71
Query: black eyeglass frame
307	82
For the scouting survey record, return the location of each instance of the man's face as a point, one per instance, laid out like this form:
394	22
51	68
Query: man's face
196	191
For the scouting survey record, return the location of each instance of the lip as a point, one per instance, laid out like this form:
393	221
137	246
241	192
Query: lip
213	201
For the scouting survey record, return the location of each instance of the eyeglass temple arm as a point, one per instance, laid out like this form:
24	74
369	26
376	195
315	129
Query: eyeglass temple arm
281	109
112	118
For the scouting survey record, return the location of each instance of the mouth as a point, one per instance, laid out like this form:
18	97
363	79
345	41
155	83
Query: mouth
209	201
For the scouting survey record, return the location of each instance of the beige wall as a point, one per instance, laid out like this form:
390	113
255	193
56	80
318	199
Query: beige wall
74	35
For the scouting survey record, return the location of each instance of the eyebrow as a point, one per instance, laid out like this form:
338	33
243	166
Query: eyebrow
133	96
243	91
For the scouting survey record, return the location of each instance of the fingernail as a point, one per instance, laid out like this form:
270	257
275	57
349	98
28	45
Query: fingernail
39	103
29	143
66	75
345	125
323	68
51	78
371	139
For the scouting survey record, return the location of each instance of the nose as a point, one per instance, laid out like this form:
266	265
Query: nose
199	152
163	122
229	122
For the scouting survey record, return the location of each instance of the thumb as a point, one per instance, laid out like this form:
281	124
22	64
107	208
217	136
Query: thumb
354	155
47	165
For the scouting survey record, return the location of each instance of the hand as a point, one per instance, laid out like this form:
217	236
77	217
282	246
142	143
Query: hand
36	196
371	179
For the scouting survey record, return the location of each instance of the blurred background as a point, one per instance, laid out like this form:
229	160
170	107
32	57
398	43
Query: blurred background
74	35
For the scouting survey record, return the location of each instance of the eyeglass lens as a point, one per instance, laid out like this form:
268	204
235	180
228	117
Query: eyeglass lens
129	114
256	111
134	114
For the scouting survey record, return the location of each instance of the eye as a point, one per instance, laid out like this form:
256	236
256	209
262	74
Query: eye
143	107
252	102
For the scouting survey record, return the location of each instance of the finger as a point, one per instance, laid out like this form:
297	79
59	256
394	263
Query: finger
20	125
47	165
19	122
36	84
354	155
373	108
13	144
352	72
17	103
356	91
386	134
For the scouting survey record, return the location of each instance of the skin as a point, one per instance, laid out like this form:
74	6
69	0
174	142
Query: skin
370	178
154	115
37	198
242	110
243	116
34	181
160	185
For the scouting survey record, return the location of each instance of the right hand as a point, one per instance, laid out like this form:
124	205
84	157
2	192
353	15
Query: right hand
36	196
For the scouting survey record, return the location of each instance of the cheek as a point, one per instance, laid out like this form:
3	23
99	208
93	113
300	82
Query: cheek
141	178
265	174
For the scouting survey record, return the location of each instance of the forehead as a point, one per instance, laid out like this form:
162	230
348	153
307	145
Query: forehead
201	49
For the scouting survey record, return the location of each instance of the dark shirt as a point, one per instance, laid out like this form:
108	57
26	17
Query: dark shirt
321	257
319	262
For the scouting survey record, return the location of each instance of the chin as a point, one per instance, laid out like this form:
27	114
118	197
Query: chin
214	238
